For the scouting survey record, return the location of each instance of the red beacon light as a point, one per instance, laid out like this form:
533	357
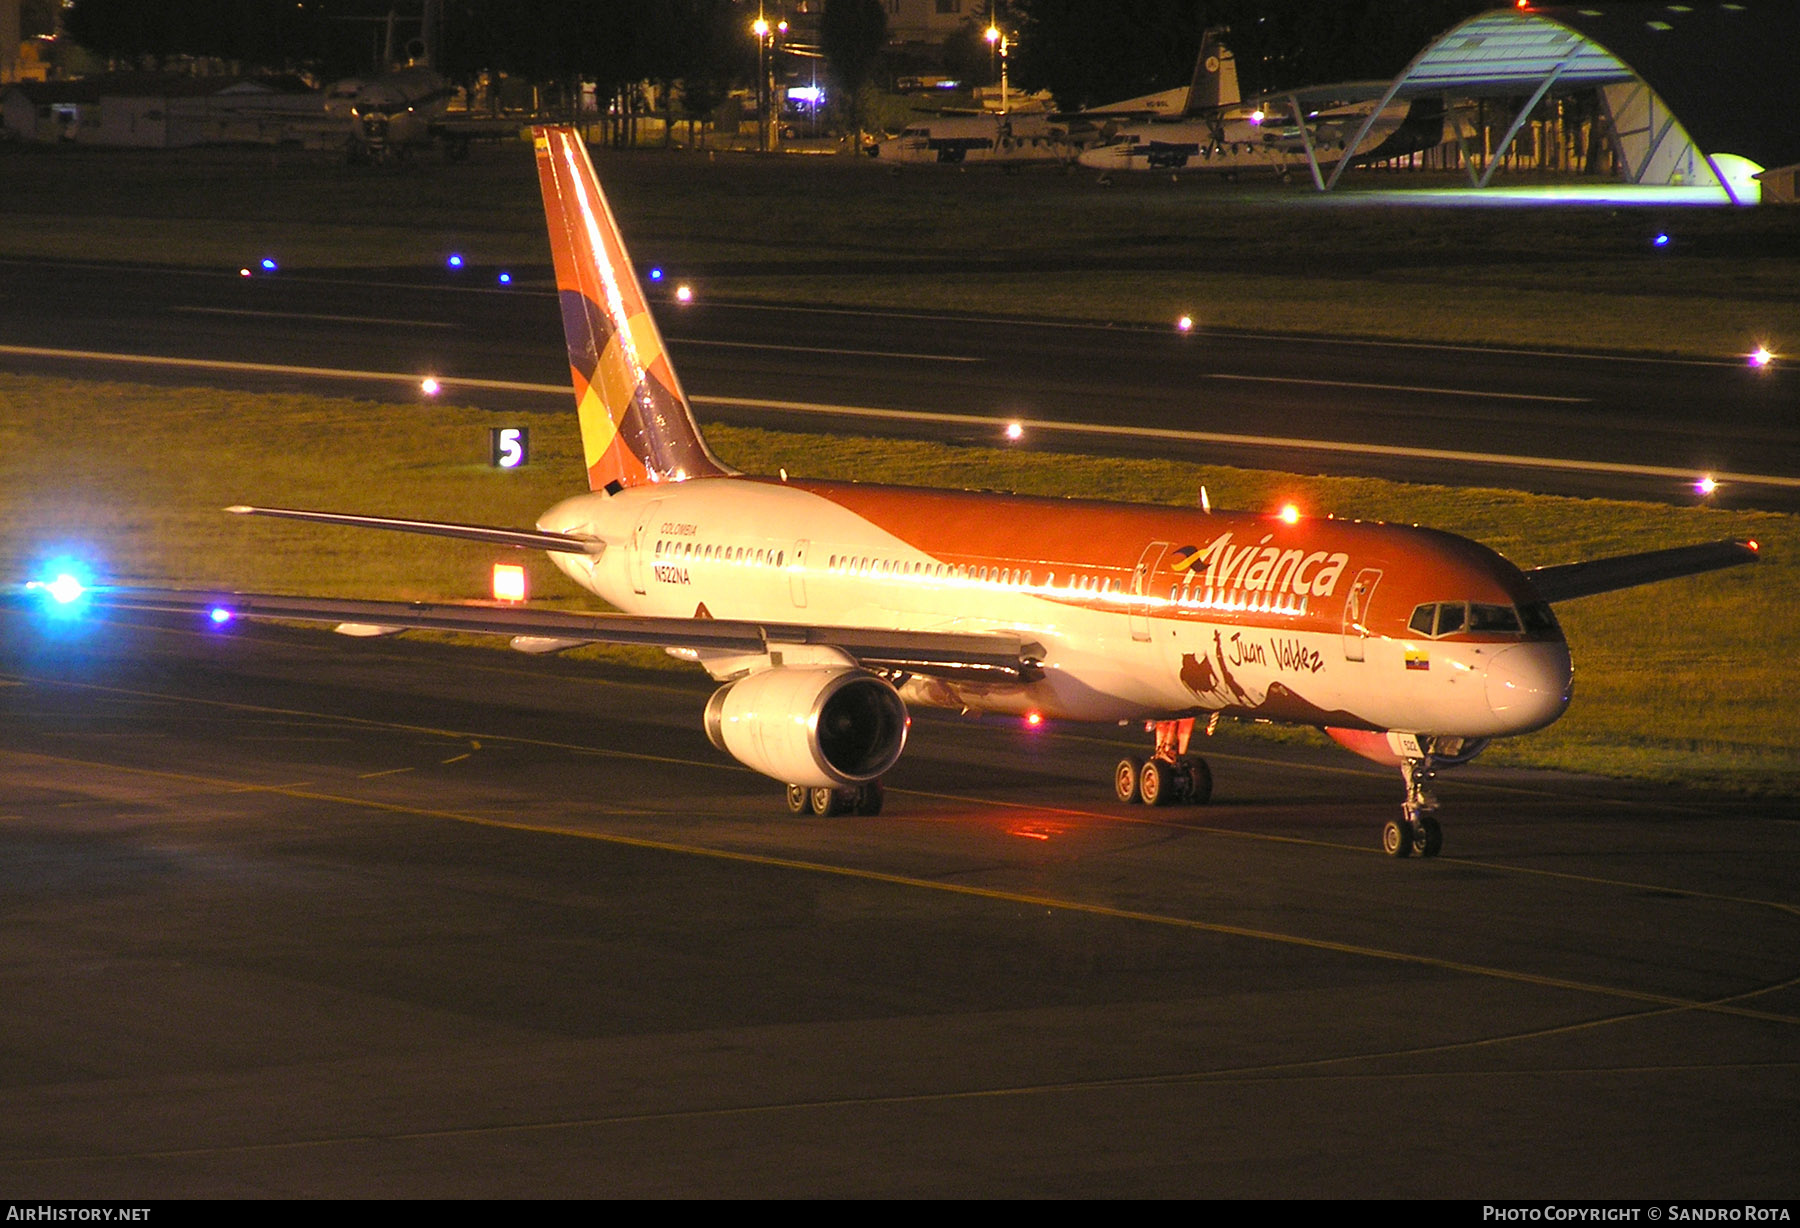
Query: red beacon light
1289	513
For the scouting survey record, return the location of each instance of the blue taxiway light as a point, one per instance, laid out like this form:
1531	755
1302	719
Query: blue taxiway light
455	261
505	279
268	264
656	273
65	589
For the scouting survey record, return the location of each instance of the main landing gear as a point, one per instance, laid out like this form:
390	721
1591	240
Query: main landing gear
1415	829
1163	782
826	802
1168	777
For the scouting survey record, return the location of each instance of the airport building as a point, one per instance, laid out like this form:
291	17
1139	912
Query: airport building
156	111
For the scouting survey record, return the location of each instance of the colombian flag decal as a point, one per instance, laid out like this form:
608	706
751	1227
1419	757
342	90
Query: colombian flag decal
1415	659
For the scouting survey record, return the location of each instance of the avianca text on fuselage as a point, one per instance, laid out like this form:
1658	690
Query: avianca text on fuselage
1262	568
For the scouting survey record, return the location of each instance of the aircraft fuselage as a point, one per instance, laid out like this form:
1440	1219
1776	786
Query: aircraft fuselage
1142	612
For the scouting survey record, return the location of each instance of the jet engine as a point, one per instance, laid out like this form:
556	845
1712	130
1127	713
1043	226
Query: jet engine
817	726
1389	749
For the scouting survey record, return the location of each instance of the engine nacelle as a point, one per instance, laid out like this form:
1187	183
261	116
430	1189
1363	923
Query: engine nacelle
812	725
1389	749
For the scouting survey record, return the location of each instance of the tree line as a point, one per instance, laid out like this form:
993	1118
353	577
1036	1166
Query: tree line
1083	51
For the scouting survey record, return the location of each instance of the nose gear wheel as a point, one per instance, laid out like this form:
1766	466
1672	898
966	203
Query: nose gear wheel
1415	831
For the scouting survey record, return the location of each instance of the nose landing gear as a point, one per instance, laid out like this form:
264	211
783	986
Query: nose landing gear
1415	829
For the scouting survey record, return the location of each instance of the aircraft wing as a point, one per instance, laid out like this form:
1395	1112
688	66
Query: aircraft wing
1570	580
929	652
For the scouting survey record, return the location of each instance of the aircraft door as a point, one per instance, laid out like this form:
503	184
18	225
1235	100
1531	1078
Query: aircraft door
797	575
1139	607
641	537
1356	612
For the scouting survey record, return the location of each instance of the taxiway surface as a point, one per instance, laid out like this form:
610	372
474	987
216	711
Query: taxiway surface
286	914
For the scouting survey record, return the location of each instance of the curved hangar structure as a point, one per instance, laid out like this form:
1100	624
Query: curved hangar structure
1694	94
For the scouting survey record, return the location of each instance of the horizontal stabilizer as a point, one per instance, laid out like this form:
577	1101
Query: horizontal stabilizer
522	539
1571	580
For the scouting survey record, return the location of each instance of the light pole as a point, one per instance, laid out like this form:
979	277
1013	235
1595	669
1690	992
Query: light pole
760	27
997	40
766	34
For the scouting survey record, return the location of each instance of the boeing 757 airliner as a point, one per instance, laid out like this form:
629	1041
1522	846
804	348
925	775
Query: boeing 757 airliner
824	608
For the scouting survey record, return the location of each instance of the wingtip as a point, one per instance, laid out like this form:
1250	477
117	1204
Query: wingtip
240	509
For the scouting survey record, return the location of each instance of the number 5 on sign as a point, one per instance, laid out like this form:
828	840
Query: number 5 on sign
508	446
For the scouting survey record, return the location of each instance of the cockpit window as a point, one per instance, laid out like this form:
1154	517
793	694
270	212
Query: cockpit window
1538	618
1493	618
1440	618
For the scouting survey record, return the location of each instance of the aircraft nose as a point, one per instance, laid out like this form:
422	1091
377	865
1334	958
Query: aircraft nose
1528	686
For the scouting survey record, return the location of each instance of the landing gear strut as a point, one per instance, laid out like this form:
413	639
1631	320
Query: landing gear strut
826	801
1168	777
1415	829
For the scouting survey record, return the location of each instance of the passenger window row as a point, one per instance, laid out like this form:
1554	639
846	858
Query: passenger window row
686	550
1198	598
1006	577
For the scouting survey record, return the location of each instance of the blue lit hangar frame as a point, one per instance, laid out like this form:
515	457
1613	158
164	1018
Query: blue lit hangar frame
1701	95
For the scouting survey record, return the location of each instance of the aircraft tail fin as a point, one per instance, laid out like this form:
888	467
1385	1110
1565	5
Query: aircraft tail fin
636	425
1215	82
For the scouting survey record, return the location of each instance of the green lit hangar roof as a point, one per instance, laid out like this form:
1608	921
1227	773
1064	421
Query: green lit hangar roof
1725	74
1507	53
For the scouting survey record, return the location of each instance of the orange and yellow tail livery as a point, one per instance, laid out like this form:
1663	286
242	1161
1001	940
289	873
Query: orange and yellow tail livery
636	426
